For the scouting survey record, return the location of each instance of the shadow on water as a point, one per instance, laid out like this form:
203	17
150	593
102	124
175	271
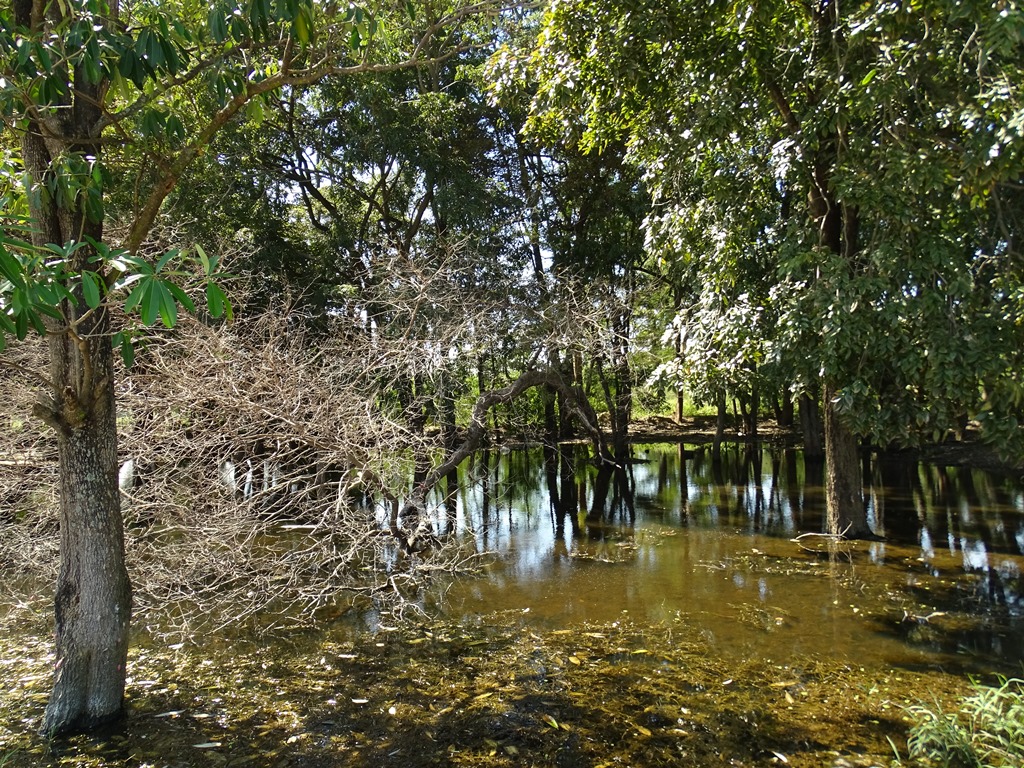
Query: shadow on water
682	531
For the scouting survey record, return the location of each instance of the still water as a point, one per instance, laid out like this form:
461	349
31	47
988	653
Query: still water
720	546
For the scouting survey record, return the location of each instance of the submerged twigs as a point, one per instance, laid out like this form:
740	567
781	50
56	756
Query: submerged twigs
831	539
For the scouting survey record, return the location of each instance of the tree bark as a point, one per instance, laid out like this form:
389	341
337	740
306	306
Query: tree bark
844	487
810	425
93	594
720	421
93	597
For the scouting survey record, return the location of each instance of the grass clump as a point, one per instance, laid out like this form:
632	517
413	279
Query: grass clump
987	730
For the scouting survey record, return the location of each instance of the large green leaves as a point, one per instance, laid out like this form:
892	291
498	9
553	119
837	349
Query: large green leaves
36	284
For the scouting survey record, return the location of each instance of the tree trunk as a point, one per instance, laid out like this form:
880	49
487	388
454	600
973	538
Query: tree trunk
720	423
786	411
93	595
844	488
93	598
810	425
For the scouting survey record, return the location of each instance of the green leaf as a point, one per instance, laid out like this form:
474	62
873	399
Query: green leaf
123	340
138	295
216	301
11	268
171	254
217	24
175	128
150	304
91	289
181	297
205	260
302	26
166	305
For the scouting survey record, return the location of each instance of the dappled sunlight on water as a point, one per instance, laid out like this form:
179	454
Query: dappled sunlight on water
686	611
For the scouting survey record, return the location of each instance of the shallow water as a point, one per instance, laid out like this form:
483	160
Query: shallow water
675	615
683	537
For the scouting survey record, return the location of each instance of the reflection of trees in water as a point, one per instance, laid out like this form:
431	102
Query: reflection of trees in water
752	487
974	516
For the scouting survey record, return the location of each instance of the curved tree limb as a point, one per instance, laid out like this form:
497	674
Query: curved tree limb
415	505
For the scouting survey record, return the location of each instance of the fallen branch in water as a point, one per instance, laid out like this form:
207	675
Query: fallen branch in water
415	506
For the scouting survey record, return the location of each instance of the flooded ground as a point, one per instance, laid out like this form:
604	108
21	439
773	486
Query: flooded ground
728	547
677	614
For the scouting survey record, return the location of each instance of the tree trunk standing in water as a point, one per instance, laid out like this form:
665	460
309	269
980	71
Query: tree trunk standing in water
93	597
844	486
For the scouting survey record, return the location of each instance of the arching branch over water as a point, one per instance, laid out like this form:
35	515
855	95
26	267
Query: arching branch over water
415	505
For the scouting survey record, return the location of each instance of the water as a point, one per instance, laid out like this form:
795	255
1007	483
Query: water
720	546
675	614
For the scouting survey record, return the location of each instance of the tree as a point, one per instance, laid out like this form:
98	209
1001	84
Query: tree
888	207
93	91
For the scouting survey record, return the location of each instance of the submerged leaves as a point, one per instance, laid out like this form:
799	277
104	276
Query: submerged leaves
484	694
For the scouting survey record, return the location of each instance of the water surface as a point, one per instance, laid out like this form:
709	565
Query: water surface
728	546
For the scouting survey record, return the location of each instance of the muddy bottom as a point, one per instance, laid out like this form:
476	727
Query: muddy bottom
491	693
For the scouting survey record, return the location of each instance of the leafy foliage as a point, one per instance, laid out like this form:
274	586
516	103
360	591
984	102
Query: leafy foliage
761	129
986	731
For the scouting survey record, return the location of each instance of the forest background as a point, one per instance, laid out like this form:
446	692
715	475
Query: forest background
261	259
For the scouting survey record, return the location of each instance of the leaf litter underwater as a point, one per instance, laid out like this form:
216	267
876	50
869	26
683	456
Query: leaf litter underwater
492	693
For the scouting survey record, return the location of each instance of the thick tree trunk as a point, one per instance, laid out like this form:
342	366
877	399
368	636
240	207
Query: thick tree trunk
93	596
844	488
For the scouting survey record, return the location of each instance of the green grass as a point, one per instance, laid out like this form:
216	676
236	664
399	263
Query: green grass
987	730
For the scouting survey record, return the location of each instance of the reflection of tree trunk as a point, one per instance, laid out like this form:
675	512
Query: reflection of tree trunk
792	484
415	506
485	485
684	484
451	493
898	485
570	492
626	490
599	501
844	490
